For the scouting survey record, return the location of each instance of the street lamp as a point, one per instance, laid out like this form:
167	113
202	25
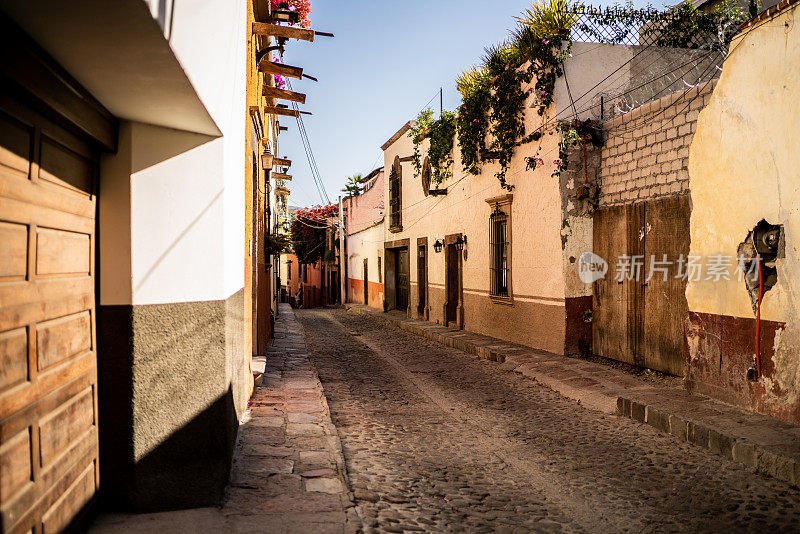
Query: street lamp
437	246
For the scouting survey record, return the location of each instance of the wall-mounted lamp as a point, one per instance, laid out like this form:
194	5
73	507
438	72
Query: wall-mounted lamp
460	243
437	246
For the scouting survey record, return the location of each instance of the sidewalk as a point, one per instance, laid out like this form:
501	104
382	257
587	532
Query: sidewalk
288	471
768	445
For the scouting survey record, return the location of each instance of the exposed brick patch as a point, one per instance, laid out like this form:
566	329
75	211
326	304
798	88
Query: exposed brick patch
646	153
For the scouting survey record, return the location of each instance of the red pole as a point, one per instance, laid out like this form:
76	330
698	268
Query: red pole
758	315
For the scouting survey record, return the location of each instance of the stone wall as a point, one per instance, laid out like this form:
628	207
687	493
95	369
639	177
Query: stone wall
646	151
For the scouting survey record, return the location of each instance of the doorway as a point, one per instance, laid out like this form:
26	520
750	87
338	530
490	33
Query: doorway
366	282
454	306
422	278
401	283
640	320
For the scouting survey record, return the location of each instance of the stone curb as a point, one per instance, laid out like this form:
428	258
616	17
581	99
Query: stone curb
766	445
778	460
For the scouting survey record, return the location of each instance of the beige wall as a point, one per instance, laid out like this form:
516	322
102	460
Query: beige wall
743	167
537	278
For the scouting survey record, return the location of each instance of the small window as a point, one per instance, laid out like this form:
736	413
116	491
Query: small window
380	271
500	248
395	197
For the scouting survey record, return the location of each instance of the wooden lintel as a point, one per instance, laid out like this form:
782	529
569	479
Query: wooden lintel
274	92
271	67
282	162
264	28
253	110
267	161
271	110
281	176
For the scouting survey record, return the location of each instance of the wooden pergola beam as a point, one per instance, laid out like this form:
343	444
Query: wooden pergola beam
283	94
271	110
267	161
281	176
289	32
271	67
282	162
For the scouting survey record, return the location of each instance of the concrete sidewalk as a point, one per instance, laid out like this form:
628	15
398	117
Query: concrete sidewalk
768	445
288	471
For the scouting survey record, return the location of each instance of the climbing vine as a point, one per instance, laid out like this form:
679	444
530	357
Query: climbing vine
494	100
441	133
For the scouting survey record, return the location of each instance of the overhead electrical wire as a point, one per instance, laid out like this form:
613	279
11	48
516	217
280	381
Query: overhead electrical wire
312	163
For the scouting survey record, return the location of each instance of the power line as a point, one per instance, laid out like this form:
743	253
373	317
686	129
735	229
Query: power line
312	163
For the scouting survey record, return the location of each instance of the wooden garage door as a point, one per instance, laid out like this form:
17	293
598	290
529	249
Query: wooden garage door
48	364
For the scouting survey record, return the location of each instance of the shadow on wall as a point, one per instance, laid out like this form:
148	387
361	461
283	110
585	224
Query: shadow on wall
169	414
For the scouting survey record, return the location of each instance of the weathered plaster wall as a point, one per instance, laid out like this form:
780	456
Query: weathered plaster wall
743	167
646	151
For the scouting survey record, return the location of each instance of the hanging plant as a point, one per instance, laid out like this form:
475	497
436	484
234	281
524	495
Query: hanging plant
308	231
441	133
302	7
494	101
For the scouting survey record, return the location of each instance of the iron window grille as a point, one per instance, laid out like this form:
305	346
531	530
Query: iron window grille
500	250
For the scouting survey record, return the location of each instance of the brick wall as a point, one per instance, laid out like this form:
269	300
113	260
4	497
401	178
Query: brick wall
646	152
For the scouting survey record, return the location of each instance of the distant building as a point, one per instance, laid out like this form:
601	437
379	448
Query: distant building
363	217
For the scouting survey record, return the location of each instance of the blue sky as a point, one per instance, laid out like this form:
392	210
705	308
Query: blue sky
388	59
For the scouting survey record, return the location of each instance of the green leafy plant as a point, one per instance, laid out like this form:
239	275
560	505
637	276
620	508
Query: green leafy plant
353	185
685	26
276	244
494	100
441	133
549	18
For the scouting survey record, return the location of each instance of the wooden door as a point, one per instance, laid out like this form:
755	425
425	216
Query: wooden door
402	279
664	307
366	282
451	266
422	278
48	363
640	321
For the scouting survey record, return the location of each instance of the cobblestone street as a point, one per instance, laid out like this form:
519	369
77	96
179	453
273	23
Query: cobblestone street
435	439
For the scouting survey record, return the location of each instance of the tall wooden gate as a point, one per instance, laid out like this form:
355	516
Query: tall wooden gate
636	320
48	363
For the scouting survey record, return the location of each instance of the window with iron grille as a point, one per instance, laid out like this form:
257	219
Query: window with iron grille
395	197
500	250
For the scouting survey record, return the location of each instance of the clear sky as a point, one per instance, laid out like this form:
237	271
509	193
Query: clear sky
388	59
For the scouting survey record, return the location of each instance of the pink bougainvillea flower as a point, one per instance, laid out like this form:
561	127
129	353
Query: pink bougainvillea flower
546	41
556	162
539	161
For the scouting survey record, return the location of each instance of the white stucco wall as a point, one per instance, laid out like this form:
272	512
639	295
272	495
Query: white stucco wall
186	193
210	39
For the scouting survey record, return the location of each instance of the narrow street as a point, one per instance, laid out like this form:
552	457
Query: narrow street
435	439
